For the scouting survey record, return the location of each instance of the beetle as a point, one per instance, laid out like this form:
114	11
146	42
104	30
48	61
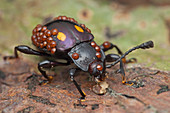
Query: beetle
64	38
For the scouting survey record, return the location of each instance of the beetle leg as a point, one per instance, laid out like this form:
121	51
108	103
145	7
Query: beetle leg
114	57
25	49
49	64
83	95
108	46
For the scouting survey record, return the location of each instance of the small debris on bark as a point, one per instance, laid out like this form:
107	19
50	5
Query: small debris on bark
32	82
27	110
41	100
100	88
133	97
2	75
164	88
95	106
138	83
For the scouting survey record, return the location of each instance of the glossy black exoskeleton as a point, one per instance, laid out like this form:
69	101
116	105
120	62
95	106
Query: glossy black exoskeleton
64	38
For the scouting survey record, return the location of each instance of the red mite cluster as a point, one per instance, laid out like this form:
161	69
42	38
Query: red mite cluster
98	54
72	20
97	48
42	37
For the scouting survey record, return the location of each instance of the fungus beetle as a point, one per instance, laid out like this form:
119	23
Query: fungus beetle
64	38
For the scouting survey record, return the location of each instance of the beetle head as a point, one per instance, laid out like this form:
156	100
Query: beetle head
98	70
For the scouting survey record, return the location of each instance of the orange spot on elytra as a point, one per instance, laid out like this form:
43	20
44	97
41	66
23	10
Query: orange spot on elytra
61	36
79	28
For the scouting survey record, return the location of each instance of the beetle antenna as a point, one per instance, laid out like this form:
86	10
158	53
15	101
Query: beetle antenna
145	45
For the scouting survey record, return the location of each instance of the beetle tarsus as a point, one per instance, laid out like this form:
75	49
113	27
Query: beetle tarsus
12	57
81	105
9	57
48	81
80	100
44	82
130	83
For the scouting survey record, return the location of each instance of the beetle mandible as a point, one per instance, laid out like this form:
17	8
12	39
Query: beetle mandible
64	38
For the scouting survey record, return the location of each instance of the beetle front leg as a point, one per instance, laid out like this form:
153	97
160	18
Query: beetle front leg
49	64
114	57
108	46
25	49
83	95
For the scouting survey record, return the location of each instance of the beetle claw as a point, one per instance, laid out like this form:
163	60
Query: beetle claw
44	82
80	100
130	83
81	105
9	57
50	78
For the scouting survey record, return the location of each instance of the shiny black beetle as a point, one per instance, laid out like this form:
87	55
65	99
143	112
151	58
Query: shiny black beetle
64	38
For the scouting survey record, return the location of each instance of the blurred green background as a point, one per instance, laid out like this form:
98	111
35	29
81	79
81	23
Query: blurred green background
125	23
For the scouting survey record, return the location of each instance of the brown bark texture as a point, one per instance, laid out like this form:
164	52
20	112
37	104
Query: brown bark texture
20	91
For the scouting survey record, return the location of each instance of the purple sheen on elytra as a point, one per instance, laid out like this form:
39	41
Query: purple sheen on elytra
82	36
73	36
68	43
